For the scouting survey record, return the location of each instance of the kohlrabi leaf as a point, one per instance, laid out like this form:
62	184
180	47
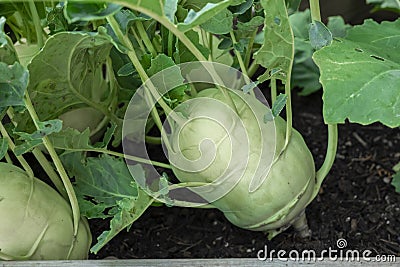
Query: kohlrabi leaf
126	18
183	54
276	109
8	54
392	5
337	26
72	140
195	18
56	20
248	28
32	140
79	11
360	75
170	8
105	188
221	23
13	83
396	181
72	70
242	8
3	147
174	77
276	53
319	35
292	6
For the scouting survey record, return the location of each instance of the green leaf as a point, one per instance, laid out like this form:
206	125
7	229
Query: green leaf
8	54
172	78
292	6
277	49
69	72
360	75
56	20
393	5
247	28
126	18
337	26
3	147
170	8
183	54
127	69
13	82
194	18
319	35
242	8
105	188
276	109
221	23
396	181
78	11
31	140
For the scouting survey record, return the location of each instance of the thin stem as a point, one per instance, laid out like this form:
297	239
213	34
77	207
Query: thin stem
238	55
289	114
145	37
138	40
329	157
60	168
11	145
170	43
48	169
43	162
8	159
250	49
145	79
273	90
315	11
210	46
36	22
153	140
253	68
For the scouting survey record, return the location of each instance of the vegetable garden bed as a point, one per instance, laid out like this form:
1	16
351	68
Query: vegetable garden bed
153	117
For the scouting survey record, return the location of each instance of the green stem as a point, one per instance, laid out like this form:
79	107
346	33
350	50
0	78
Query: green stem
153	140
329	157
210	46
238	55
273	90
48	169
8	159
332	128
315	11
253	68
250	49
36	22
170	43
60	168
145	38
138	40
124	39
11	145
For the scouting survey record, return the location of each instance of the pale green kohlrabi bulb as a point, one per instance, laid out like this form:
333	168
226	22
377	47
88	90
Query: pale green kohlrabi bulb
36	222
237	151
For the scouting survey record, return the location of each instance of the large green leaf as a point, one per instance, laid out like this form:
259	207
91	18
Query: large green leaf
361	75
7	51
393	5
76	11
105	188
69	72
13	83
276	53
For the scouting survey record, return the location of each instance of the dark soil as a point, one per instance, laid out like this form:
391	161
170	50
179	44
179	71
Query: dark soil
356	202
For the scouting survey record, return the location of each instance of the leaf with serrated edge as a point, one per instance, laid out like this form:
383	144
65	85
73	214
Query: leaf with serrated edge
13	82
277	49
110	186
361	75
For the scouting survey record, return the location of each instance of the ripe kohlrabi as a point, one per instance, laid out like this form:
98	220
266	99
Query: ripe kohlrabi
281	197
36	222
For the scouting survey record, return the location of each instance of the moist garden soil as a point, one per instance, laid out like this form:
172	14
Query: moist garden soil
356	203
